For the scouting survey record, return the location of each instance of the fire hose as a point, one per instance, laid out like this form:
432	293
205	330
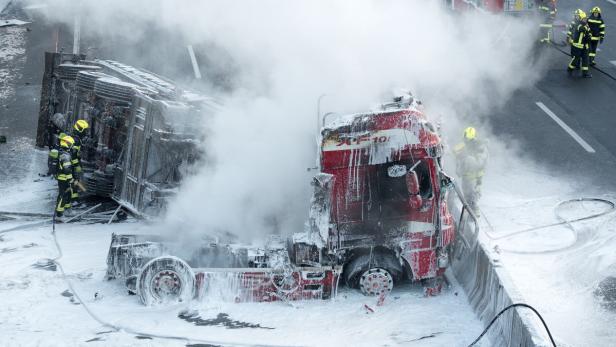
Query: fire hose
594	67
611	207
43	222
508	308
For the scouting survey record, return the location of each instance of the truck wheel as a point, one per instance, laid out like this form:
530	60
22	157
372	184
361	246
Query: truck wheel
376	281
373	277
164	280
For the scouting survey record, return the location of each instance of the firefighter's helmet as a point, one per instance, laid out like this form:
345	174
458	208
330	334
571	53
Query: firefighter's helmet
582	14
596	9
470	133
81	125
67	141
576	14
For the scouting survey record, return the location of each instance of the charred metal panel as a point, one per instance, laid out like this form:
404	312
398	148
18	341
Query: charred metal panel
129	253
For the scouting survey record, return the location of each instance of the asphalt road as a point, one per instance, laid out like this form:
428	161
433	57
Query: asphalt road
583	145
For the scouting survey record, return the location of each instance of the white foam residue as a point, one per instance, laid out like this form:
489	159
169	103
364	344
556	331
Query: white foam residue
556	268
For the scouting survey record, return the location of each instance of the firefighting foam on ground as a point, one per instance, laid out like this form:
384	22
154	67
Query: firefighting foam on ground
306	174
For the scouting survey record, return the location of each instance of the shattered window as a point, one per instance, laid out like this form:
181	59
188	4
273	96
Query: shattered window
394	188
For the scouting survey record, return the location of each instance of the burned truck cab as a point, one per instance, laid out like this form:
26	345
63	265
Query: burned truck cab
378	216
385	195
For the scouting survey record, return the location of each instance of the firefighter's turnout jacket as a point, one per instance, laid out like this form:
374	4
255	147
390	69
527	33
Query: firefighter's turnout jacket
547	12
597	27
52	159
76	153
64	176
580	43
471	159
65	166
571	28
76	161
597	33
581	36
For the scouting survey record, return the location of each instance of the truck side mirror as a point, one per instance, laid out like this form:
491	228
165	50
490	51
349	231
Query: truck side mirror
412	184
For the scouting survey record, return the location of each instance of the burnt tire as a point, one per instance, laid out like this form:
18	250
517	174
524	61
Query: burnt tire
166	280
374	276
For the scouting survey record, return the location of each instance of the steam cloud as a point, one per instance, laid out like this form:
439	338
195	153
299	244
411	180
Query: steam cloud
288	53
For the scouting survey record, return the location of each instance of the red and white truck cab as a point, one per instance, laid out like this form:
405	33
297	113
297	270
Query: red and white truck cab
388	214
379	216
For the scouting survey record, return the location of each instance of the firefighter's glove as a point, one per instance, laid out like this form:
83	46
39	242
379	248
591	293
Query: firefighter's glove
601	40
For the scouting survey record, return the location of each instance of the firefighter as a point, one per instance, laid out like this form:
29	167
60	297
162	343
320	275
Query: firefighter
547	11
64	175
78	134
471	160
571	27
597	31
56	132
52	158
580	43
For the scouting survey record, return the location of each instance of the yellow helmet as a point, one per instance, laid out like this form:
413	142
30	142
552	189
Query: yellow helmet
596	9
67	141
470	133
576	14
582	14
81	125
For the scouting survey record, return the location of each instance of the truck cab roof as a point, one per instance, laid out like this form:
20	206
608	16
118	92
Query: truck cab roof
396	131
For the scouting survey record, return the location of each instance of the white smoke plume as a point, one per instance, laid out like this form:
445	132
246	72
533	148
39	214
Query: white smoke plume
287	54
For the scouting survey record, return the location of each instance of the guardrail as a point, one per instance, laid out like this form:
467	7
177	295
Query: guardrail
487	285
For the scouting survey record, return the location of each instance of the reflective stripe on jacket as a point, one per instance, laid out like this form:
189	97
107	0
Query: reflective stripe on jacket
65	168
581	36
597	28
471	159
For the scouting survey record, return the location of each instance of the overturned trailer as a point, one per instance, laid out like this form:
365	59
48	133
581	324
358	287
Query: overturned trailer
379	216
142	138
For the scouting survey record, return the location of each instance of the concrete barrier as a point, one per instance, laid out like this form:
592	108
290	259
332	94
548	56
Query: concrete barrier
489	288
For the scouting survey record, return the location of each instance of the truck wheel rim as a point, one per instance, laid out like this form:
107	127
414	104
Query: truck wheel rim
166	285
376	281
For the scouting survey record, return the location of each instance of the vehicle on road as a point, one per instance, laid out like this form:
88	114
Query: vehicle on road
379	215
